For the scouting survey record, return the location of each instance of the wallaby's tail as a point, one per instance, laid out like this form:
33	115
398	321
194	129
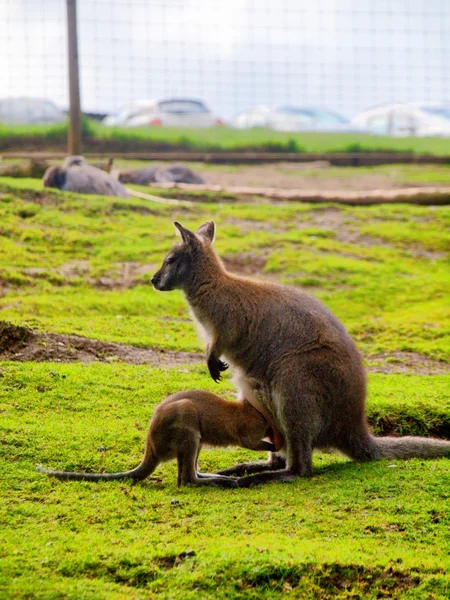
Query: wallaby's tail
369	447
147	466
410	447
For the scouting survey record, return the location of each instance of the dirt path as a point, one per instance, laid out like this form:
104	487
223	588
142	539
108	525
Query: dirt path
22	344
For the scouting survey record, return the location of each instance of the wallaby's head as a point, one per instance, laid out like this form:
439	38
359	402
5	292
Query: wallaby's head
54	177
255	433
187	261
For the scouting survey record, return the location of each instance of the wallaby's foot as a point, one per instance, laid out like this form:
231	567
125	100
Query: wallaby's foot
216	481
246	469
216	367
276	463
283	476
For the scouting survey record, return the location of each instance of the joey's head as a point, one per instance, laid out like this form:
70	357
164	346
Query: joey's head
254	431
190	260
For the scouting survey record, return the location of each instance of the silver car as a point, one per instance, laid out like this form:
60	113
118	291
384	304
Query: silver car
169	112
29	110
292	118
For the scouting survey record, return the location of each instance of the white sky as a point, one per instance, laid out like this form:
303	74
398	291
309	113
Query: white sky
341	54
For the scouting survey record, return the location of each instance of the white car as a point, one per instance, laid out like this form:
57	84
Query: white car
403	120
29	110
170	112
292	118
258	116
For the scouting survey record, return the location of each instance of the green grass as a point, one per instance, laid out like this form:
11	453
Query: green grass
390	289
378	530
225	138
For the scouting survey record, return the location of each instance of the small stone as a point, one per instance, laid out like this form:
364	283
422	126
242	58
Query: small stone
101	449
174	502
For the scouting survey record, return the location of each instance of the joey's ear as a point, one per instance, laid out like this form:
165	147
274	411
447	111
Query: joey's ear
267	445
207	232
187	236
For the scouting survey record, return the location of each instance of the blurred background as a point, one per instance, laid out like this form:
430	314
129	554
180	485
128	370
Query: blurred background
354	67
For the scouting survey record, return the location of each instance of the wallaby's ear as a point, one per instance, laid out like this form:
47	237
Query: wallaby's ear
207	232
187	236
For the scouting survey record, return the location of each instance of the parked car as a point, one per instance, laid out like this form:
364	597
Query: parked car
292	118
403	120
170	112
29	110
258	116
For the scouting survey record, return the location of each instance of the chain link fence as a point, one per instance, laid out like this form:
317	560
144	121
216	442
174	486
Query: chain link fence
345	55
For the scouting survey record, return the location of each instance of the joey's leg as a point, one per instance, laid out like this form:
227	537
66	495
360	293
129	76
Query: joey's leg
215	365
204	475
212	475
274	463
187	472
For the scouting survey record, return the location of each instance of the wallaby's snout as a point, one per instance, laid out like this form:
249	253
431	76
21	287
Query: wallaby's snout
156	280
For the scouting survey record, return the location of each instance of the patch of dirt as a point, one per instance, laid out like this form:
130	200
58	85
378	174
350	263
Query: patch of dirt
295	176
248	225
427	254
406	362
43	198
137	208
23	344
172	560
245	263
122	276
126	275
331	580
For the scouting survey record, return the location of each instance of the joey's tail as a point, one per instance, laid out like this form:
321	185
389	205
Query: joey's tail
147	466
369	447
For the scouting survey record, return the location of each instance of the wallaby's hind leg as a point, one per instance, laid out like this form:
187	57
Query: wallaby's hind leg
299	464
298	429
275	462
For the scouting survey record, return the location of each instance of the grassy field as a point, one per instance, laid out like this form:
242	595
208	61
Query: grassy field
79	264
225	138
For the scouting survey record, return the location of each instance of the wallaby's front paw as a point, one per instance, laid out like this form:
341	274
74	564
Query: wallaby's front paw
222	366
216	366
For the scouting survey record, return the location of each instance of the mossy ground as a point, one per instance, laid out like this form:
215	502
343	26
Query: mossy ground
80	264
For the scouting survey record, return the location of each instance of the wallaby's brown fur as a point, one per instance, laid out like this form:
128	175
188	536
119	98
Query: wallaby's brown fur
179	427
294	361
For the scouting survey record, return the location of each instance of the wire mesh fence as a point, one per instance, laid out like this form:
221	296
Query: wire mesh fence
345	55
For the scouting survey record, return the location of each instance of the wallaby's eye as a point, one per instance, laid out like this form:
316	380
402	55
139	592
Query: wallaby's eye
170	260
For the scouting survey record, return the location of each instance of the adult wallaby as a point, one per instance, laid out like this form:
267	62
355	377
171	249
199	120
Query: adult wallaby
294	360
178	428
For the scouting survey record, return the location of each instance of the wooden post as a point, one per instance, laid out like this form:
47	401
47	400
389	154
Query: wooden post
74	137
